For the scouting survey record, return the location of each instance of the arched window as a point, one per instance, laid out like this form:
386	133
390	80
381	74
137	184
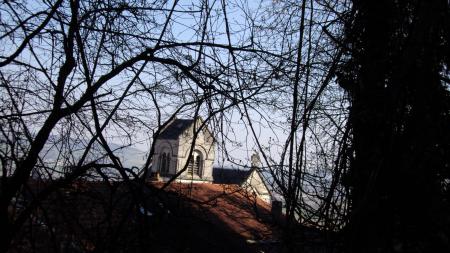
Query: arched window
195	166
164	163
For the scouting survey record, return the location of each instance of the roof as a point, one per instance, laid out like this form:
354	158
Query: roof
230	176
175	128
86	214
230	207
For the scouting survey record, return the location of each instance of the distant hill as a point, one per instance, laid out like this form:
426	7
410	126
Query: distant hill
61	155
128	155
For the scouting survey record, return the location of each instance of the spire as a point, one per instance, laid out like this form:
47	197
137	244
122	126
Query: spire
256	162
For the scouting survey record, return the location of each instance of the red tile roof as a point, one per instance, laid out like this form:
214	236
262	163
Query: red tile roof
230	207
86	215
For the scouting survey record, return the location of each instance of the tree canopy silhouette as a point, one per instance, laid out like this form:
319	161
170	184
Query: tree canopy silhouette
397	78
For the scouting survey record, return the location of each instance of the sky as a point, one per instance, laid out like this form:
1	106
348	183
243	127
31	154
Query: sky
241	144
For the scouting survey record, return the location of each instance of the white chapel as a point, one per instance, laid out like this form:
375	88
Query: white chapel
173	146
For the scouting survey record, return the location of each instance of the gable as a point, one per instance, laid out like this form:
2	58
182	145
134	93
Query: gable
255	182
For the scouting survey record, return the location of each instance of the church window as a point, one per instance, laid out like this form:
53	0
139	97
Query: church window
195	166
164	163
